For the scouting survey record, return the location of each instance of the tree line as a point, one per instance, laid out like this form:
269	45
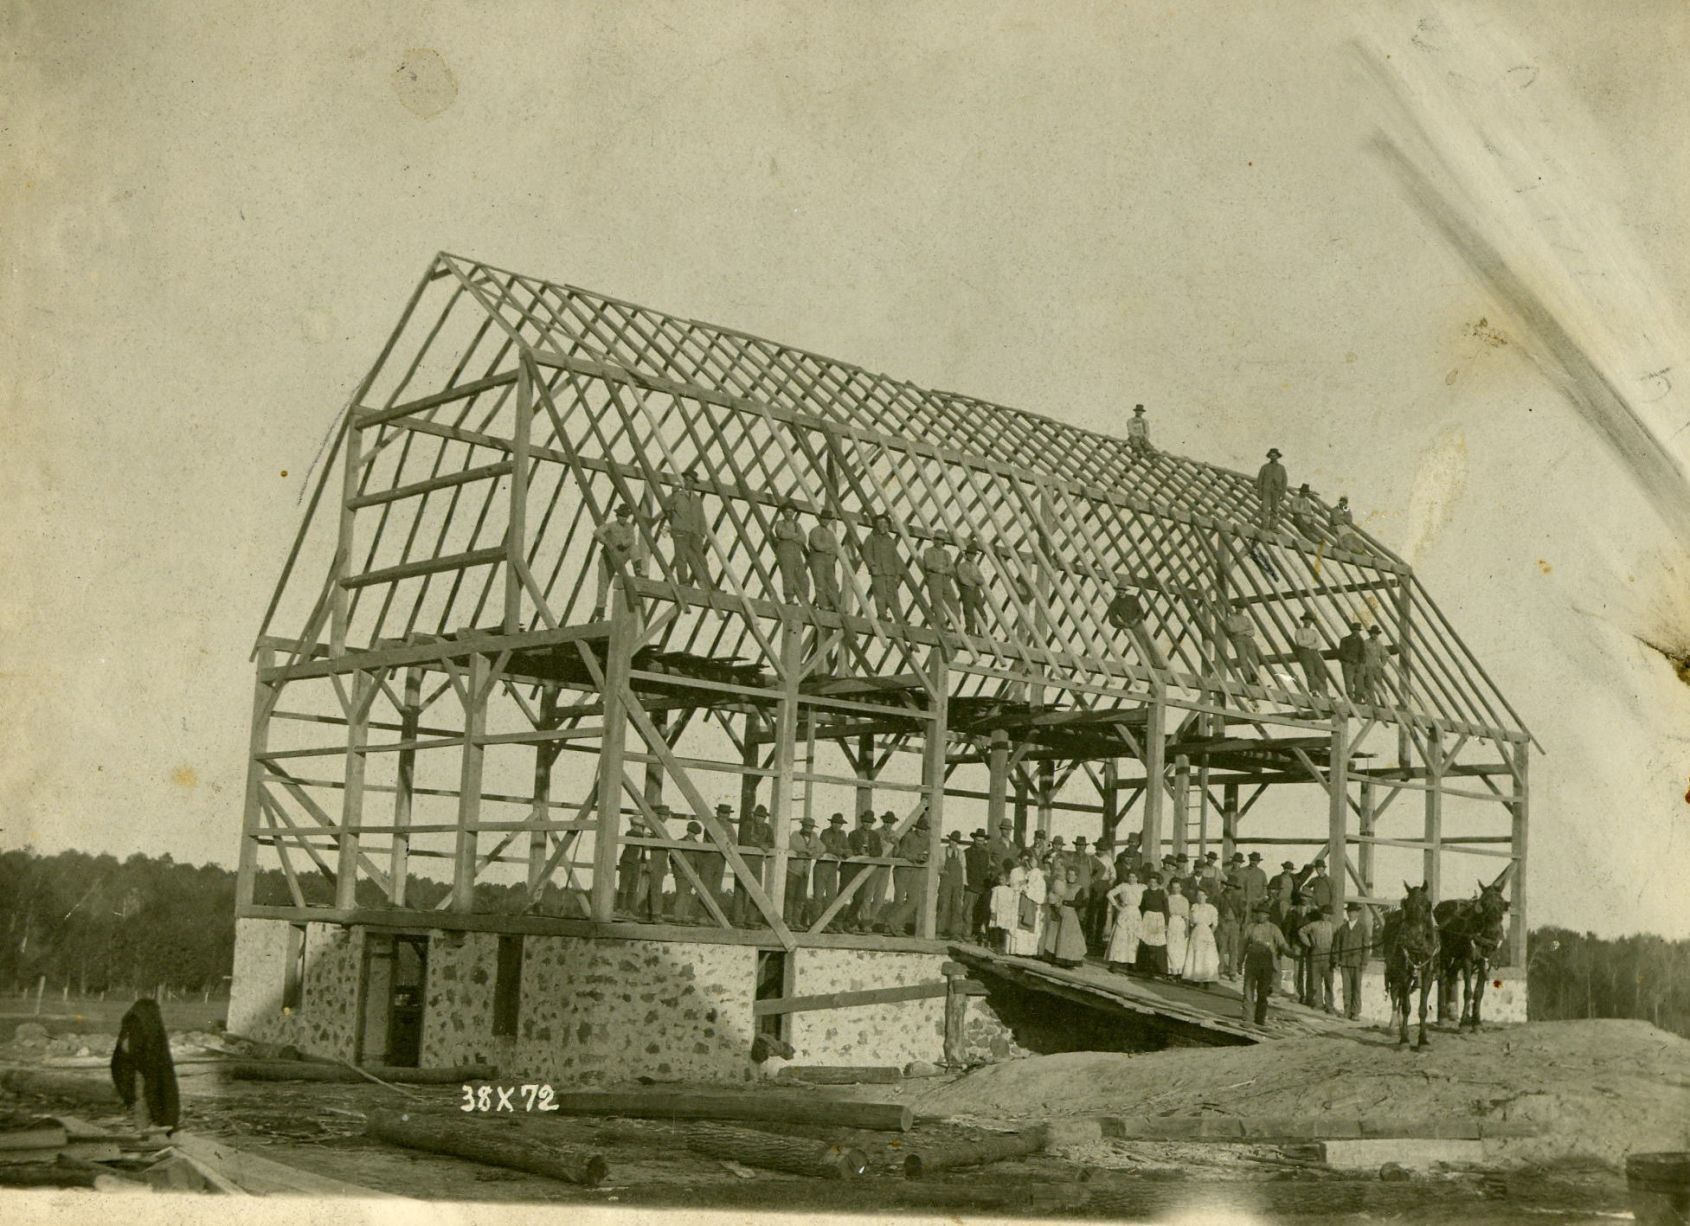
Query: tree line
97	924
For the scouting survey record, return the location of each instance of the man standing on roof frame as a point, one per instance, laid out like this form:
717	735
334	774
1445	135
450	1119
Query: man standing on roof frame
885	568
688	526
1270	489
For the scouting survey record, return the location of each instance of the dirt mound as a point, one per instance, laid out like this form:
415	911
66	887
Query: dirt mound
1599	1089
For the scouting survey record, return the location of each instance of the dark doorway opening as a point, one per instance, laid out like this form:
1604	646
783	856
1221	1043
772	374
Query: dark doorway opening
395	984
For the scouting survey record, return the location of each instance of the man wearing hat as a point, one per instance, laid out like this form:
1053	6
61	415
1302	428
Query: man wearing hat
1375	654
1270	489
1316	936
953	918
716	862
1307	645
657	868
1138	432
630	866
688	526
788	536
978	870
1209	874
1342	522
1352	656
1229	927
1002	847
835	847
1253	880
1263	945
1126	613
885	568
907	874
1282	890
821	554
865	845
971	589
756	841
684	891
1349	951
803	846
1300	511
619	549
938	574
1246	654
1316	886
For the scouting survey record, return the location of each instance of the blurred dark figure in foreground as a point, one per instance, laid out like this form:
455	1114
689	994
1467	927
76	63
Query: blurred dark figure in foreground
143	1051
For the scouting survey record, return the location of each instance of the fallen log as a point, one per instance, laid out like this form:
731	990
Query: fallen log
796	1155
301	1070
265	1176
931	1160
476	1141
760	1108
64	1087
841	1074
52	1175
40	1136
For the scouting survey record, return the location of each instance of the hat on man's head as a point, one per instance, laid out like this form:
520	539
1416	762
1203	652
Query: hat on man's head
973	547
1273	453
1059	841
1006	824
1377	630
1287	864
724	808
761	810
1308	617
1352	906
838	819
954	836
1182	858
1138	408
1079	840
889	818
920	822
978	833
624	511
1303	488
807	822
1213	855
865	819
1237	858
1254	856
694	828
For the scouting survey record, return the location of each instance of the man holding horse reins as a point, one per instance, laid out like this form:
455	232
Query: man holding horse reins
1263	944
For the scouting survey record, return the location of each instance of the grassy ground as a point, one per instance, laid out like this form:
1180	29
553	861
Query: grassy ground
90	1015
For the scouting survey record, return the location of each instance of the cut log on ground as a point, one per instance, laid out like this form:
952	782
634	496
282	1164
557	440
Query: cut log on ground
841	1074
302	1070
931	1160
43	1136
62	1087
264	1176
760	1108
51	1175
475	1140
796	1155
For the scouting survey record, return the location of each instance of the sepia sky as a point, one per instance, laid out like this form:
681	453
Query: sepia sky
213	214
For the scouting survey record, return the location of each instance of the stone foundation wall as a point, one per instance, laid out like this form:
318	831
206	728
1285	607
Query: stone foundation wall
895	1033
326	1020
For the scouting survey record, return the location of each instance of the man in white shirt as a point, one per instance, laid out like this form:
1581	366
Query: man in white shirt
1307	646
619	548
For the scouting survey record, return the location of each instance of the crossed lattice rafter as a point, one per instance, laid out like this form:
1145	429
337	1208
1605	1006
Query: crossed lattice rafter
588	402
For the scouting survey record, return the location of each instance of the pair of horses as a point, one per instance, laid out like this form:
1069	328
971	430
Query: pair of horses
1425	944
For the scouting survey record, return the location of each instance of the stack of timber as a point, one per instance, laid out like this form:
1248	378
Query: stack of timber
481	1140
304	1070
756	1108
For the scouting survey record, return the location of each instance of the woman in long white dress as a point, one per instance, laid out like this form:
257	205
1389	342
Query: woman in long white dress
1179	914
1202	957
1034	889
1127	926
1001	909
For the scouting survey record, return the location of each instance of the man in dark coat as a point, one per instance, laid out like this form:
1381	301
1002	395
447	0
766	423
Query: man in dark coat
1002	847
911	849
716	862
629	866
698	860
1254	883
977	882
802	848
1349	951
1229	928
657	869
864	844
1282	891
1317	886
1270	489
1264	943
835	847
756	841
1352	661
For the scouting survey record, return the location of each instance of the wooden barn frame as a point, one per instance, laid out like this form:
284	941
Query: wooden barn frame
451	620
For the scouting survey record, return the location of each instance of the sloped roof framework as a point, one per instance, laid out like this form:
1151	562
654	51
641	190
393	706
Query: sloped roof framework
619	400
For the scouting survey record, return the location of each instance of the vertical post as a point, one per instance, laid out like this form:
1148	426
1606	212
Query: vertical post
1405	655
933	783
263	702
1431	858
540	811
1021	791
1046	793
352	799
340	601
1522	751
405	786
1111	807
751	759
786	741
469	784
865	774
1202	811
1229	821
1337	831
997	789
1364	853
608	825
1182	801
516	531
1155	768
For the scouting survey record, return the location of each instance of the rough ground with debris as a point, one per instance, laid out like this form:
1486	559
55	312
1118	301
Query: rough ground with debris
1595	1089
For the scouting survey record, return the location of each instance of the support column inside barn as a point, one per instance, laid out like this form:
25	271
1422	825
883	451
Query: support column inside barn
352	797
786	743
1431	859
404	791
476	689
1518	809
1229	821
263	702
1364	853
933	781
997	787
865	774
607	825
1155	771
1338	811
1182	801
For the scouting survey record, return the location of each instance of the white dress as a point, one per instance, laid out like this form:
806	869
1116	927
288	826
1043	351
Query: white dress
1179	911
1123	937
1202	958
1003	906
1025	941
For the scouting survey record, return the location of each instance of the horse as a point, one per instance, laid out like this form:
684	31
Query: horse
1410	940
1470	932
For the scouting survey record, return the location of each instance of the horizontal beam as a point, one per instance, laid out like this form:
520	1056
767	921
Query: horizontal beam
868	996
501	469
427	566
366	417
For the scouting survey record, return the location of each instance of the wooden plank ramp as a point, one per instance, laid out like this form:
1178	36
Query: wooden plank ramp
1190	1013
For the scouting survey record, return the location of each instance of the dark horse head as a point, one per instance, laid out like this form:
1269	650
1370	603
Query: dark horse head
1472	932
